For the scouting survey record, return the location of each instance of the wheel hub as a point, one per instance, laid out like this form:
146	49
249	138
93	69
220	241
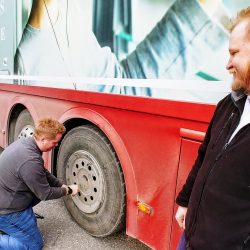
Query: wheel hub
84	183
84	170
27	131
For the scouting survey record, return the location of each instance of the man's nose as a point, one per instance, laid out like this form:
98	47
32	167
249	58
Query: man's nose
229	64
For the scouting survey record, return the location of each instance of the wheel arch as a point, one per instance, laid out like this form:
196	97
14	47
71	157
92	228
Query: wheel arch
18	105
81	116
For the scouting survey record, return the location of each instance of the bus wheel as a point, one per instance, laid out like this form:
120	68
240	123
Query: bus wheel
87	158
22	127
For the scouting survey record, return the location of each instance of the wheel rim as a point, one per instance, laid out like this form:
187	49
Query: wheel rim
27	131
84	170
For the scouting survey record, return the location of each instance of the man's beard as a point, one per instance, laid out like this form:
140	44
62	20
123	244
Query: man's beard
243	82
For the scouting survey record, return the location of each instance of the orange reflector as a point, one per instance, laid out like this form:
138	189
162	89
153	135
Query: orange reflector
143	207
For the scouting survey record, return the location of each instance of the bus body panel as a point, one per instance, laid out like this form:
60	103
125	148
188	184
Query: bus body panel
150	137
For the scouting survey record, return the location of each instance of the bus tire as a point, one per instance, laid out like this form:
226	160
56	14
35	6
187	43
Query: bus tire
23	126
87	158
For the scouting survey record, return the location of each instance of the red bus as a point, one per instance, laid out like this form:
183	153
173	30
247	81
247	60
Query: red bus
129	144
130	155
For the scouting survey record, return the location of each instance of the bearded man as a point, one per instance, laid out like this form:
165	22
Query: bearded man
214	203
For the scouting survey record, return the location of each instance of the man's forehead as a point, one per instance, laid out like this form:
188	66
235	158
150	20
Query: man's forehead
239	36
241	29
57	138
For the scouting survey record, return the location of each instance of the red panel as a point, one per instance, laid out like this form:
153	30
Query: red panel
140	104
145	134
192	134
188	155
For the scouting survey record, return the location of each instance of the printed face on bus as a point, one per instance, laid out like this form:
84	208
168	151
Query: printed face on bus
239	60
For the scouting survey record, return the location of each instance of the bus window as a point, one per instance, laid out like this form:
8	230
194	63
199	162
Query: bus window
143	22
143	39
7	36
23	9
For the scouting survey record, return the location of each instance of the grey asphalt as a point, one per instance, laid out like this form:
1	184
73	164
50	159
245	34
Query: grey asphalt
62	233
